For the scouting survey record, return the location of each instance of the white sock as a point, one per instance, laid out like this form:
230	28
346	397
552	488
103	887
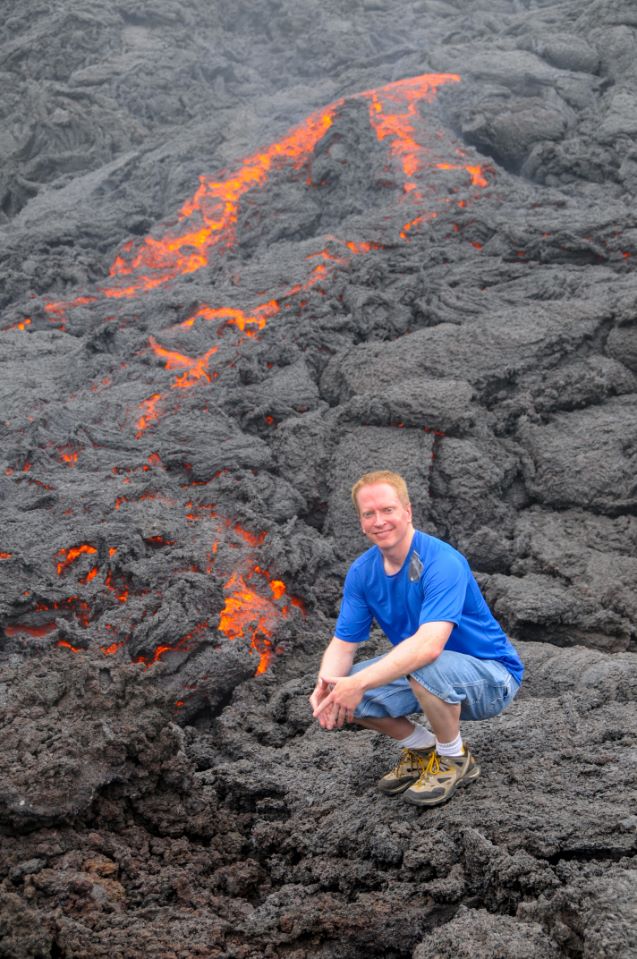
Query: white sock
454	748
420	738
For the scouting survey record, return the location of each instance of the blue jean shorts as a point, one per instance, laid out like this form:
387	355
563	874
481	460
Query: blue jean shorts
483	687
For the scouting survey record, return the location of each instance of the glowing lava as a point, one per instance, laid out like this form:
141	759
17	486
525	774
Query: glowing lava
181	645
255	603
195	369
209	218
149	415
71	554
249	614
215	207
393	109
207	223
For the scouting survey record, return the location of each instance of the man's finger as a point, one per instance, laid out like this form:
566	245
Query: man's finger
323	705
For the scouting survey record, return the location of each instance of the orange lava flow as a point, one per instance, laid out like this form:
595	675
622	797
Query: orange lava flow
195	368
392	110
56	312
71	554
43	630
158	541
181	645
248	614
253	539
21	325
150	413
210	216
121	593
66	645
248	323
73	603
113	648
475	172
215	206
404	233
208	220
255	603
79	607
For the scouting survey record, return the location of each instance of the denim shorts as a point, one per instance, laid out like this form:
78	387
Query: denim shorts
483	687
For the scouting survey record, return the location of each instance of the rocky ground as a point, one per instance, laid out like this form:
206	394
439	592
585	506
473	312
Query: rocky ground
247	255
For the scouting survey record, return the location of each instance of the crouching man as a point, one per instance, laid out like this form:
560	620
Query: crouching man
450	658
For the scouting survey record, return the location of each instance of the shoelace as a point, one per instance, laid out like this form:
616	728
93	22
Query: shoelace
436	765
408	756
433	767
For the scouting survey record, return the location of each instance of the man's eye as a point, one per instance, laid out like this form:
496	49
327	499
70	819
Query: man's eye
388	509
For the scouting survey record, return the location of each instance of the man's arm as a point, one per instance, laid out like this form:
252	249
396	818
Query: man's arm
418	650
337	662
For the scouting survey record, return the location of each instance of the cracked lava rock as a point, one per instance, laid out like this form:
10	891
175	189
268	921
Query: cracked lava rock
248	253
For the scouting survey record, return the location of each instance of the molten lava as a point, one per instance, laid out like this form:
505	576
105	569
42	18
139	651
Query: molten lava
248	613
150	413
215	206
208	220
195	369
181	645
70	555
207	223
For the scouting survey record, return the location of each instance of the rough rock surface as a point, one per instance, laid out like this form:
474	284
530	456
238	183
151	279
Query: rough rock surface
245	257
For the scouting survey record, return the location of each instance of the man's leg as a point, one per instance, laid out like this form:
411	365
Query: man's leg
444	718
452	685
385	710
418	745
397	727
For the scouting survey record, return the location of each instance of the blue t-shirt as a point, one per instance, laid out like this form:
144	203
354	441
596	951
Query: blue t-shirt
445	590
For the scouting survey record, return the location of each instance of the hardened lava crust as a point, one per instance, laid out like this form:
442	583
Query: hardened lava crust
248	252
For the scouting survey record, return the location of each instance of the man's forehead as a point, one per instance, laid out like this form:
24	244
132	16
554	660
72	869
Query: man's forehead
374	491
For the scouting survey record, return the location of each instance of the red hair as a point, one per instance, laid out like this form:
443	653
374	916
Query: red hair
382	476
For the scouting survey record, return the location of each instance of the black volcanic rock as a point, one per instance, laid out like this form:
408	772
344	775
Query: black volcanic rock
246	255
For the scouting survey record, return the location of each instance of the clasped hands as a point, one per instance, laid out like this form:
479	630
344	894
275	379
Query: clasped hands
334	700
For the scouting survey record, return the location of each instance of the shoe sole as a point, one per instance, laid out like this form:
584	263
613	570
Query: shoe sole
465	781
400	788
396	790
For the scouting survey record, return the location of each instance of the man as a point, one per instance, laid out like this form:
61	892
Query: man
450	658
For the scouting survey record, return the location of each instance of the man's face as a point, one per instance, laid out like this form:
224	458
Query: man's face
384	519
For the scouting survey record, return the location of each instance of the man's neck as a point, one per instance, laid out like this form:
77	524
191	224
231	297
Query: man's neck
394	558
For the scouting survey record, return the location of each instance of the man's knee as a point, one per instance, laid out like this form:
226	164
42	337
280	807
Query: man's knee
419	690
416	687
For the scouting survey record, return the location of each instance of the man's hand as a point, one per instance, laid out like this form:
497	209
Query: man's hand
336	707
328	718
321	690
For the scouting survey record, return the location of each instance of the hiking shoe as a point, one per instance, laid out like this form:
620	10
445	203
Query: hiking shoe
441	777
409	769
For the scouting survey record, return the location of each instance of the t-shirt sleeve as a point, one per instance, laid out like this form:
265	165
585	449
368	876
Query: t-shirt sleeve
355	617
444	588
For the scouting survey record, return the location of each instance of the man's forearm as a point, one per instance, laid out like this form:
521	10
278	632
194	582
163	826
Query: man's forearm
337	658
418	650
